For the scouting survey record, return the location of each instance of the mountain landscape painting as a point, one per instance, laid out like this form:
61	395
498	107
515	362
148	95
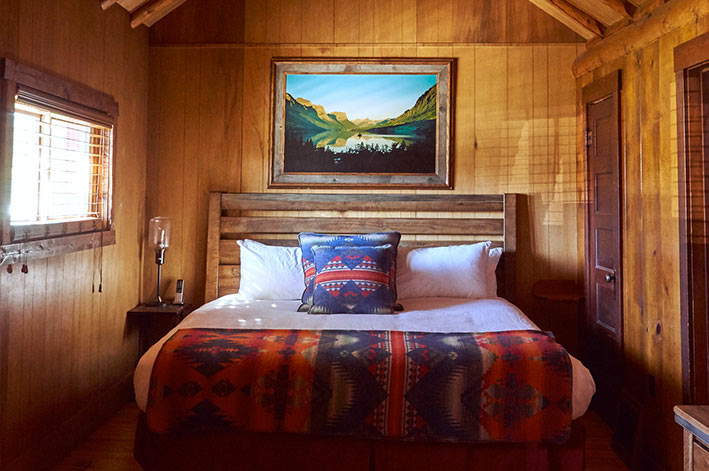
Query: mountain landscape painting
360	123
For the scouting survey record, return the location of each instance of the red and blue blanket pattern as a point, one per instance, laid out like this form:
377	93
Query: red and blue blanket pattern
461	387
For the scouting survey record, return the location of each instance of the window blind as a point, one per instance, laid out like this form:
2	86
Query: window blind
60	166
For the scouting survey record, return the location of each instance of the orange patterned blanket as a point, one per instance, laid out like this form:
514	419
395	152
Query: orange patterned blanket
461	387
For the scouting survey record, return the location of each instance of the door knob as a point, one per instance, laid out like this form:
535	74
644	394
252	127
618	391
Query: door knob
610	277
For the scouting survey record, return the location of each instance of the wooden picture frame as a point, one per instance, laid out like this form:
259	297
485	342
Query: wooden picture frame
361	123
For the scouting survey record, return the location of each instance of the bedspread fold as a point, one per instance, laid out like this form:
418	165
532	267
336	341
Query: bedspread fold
512	386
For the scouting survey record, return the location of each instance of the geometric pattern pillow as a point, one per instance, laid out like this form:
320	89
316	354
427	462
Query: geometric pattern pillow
352	280
309	239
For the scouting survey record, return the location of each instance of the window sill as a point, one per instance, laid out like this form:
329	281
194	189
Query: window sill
21	252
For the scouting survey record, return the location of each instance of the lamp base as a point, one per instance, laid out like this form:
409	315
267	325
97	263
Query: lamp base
158	304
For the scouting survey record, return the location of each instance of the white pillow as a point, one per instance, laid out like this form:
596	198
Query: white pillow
270	272
455	271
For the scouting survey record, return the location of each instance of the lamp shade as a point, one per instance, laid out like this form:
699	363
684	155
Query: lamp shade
160	232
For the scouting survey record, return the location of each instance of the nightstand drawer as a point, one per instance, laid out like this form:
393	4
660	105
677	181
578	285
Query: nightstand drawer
700	456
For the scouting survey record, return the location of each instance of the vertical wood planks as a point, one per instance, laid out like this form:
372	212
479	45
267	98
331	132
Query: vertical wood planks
66	344
652	337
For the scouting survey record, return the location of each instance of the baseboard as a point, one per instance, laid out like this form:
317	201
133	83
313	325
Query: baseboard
61	440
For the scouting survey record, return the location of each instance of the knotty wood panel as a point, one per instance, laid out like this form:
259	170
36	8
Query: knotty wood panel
652	334
389	22
514	132
64	344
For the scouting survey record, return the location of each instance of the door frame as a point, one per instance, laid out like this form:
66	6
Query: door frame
694	269
608	85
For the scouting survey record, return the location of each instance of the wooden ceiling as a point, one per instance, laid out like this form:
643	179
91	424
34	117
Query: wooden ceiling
592	19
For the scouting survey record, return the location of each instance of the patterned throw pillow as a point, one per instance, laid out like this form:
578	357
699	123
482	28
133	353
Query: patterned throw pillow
352	280
309	239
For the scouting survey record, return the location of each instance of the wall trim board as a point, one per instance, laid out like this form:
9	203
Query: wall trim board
56	443
691	53
348	44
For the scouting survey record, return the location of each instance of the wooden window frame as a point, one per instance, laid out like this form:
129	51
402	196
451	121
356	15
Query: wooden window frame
56	238
689	58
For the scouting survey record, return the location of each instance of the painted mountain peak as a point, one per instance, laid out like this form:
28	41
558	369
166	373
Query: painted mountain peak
304	117
318	140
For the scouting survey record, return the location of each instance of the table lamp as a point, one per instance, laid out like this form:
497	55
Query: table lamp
159	241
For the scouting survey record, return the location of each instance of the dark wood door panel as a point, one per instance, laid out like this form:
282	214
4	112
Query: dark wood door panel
602	345
604	218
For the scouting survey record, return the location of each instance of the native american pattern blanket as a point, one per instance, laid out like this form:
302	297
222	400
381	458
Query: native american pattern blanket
462	387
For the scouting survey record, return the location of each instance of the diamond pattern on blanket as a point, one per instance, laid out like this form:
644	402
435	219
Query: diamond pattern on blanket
460	387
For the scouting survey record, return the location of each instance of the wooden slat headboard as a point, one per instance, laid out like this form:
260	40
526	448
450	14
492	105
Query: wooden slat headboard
423	220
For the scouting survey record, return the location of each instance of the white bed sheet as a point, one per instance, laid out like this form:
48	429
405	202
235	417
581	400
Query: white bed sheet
421	315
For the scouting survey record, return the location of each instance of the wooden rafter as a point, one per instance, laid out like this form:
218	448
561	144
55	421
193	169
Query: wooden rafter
622	7
153	11
576	19
106	4
639	33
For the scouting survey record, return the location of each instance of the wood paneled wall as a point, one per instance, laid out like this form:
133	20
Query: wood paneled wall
374	22
652	335
514	122
66	354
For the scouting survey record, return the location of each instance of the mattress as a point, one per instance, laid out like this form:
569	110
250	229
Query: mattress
421	315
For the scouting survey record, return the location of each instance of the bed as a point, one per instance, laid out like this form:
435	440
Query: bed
424	221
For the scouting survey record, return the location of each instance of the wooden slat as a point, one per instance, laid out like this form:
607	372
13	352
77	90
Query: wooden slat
153	11
228	278
240	225
360	202
229	250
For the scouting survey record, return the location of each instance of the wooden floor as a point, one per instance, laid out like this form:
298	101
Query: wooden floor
110	448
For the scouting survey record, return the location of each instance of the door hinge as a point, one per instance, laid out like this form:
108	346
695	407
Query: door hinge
589	138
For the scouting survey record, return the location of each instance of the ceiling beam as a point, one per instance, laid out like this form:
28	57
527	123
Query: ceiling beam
571	16
639	33
153	11
622	7
106	4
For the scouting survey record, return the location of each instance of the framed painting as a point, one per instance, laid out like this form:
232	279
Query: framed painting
361	123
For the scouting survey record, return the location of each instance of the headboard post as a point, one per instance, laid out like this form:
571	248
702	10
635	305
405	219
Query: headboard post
510	252
211	285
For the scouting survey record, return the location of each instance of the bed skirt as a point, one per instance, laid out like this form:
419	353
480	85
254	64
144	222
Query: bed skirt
234	451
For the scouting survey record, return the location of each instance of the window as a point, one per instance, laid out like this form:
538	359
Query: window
60	141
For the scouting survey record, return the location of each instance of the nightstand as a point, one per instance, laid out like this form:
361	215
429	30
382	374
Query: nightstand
155	322
695	421
558	305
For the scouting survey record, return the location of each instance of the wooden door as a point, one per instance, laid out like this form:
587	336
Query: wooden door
692	78
602	340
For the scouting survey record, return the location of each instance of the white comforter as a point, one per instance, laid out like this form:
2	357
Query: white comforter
421	315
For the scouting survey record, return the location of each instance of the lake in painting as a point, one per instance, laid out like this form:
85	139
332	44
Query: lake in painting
360	123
